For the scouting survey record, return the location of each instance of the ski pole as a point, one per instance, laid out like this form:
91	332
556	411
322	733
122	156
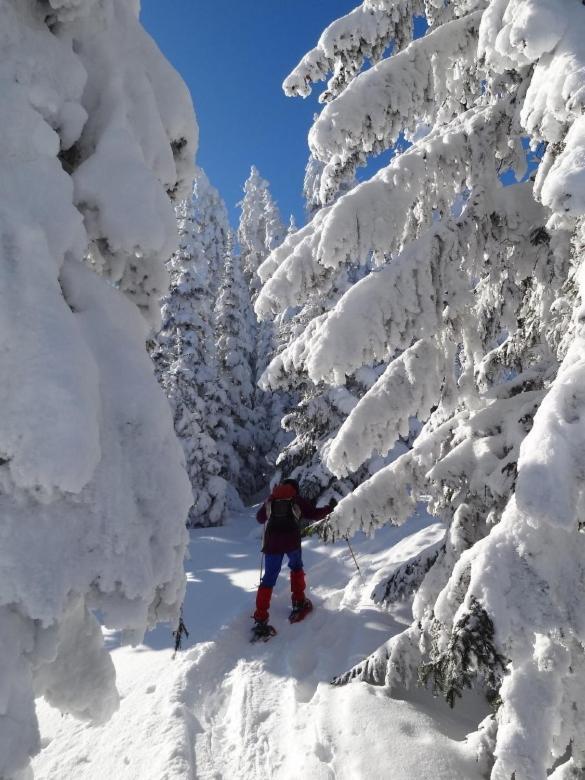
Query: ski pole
354	560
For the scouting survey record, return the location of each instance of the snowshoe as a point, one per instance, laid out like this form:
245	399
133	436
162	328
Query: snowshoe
300	611
262	631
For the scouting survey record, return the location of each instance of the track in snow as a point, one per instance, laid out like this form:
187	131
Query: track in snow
230	709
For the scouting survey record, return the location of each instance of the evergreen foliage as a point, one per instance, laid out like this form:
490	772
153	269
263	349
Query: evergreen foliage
236	348
260	231
407	578
473	306
471	651
185	353
213	230
320	410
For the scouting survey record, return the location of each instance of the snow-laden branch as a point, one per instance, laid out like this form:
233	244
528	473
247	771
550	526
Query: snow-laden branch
294	271
292	358
433	80
268	267
480	447
403	198
387	497
408	388
379	215
549	36
391	308
347	43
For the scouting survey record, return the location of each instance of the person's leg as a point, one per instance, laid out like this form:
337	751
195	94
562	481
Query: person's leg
297	577
272	565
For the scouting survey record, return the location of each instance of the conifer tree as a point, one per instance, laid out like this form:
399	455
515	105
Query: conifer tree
236	347
260	231
475	307
213	230
185	352
318	410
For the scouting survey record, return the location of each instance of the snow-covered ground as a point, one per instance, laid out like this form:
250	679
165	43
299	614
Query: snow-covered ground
225	708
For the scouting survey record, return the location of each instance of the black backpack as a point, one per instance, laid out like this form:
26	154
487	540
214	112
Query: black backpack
283	515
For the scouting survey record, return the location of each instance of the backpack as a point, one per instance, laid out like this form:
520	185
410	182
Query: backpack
283	515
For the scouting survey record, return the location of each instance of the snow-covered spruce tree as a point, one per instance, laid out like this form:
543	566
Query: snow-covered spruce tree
215	241
260	231
184	353
213	229
236	348
479	296
318	410
97	131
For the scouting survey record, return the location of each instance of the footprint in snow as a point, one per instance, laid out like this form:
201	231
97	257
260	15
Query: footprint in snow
323	753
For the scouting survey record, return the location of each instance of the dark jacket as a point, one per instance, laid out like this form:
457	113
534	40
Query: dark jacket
278	543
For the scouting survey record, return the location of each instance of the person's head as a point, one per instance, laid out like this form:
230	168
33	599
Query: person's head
293	484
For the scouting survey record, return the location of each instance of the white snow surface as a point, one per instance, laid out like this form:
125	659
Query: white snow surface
225	708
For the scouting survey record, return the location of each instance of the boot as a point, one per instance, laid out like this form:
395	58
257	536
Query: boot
262	630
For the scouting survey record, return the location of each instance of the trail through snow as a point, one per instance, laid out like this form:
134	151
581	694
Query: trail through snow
225	708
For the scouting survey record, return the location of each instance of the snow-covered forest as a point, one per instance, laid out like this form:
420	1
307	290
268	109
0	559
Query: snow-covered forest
412	354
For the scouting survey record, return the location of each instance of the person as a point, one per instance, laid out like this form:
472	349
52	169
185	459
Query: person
283	514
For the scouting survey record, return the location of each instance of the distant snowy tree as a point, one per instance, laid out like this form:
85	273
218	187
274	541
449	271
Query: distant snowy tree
97	132
213	229
260	231
318	411
236	346
185	355
475	306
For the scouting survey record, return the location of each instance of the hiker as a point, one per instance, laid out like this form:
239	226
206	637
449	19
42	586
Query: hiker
283	514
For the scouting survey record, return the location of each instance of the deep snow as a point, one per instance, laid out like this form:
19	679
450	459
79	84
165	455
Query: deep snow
225	708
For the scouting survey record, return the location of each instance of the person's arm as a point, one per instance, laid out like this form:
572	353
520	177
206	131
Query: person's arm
310	511
261	514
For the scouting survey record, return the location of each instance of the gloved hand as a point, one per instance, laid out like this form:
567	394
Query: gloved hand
310	529
332	504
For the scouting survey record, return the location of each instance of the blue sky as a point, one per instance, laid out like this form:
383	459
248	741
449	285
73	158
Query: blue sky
234	56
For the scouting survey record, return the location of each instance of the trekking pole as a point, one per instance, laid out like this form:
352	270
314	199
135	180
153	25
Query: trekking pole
354	560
